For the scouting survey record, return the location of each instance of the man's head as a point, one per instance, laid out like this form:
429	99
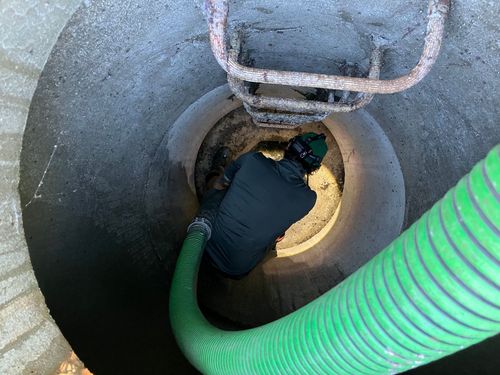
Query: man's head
309	149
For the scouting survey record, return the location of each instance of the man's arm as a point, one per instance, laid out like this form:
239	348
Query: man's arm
234	167
227	177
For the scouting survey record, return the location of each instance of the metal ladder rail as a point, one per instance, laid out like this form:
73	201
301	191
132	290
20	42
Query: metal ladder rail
263	109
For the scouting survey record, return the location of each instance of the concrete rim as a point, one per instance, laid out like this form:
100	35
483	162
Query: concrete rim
373	199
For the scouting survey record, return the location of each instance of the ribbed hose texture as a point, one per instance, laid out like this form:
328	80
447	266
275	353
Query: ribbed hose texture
433	291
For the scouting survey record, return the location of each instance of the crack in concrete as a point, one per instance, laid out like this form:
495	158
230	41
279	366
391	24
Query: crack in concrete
40	184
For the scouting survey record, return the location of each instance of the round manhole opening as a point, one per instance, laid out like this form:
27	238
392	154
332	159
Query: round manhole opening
236	131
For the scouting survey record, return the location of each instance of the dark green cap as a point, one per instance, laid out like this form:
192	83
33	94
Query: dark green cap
318	146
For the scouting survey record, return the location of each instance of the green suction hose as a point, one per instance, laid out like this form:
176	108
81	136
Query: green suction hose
433	291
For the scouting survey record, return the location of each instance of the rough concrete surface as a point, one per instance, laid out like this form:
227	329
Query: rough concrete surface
119	76
30	341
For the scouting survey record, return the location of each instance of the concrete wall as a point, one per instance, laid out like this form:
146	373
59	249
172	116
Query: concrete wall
30	341
120	75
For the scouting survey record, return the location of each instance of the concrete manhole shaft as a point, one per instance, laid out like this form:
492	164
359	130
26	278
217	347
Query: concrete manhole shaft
91	90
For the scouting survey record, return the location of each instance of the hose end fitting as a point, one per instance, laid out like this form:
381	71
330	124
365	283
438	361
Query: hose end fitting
201	224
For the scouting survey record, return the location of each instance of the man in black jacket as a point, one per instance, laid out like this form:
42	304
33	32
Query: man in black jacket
256	200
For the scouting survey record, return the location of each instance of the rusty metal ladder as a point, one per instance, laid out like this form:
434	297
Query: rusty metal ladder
280	112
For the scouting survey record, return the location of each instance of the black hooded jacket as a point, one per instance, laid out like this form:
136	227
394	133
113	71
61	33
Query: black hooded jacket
264	198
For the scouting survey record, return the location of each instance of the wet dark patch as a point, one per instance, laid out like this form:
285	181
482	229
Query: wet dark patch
264	10
346	16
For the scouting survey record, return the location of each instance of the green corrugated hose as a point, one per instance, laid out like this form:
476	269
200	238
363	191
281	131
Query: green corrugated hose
433	291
